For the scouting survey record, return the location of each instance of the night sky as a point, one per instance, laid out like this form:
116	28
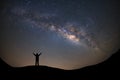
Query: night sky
70	34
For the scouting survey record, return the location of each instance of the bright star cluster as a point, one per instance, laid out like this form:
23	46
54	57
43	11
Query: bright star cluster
69	30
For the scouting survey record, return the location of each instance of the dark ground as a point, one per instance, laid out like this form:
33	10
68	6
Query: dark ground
108	69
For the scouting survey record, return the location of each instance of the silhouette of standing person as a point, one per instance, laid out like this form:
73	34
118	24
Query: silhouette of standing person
37	58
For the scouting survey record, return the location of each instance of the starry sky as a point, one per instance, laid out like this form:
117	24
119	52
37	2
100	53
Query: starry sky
70	34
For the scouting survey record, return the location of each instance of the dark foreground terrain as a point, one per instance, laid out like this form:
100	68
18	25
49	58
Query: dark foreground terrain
109	69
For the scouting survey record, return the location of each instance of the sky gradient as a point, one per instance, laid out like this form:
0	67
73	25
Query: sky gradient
70	34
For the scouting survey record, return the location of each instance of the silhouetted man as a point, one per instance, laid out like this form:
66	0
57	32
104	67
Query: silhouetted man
37	58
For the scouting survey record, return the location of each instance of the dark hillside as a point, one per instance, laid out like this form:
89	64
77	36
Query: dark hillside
108	69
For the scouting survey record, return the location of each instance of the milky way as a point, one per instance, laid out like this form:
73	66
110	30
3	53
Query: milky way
70	34
69	30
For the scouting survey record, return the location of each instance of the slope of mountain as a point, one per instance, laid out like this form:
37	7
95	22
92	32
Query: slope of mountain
4	66
108	69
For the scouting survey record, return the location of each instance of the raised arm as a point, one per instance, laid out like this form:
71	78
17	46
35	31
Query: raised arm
40	54
34	53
